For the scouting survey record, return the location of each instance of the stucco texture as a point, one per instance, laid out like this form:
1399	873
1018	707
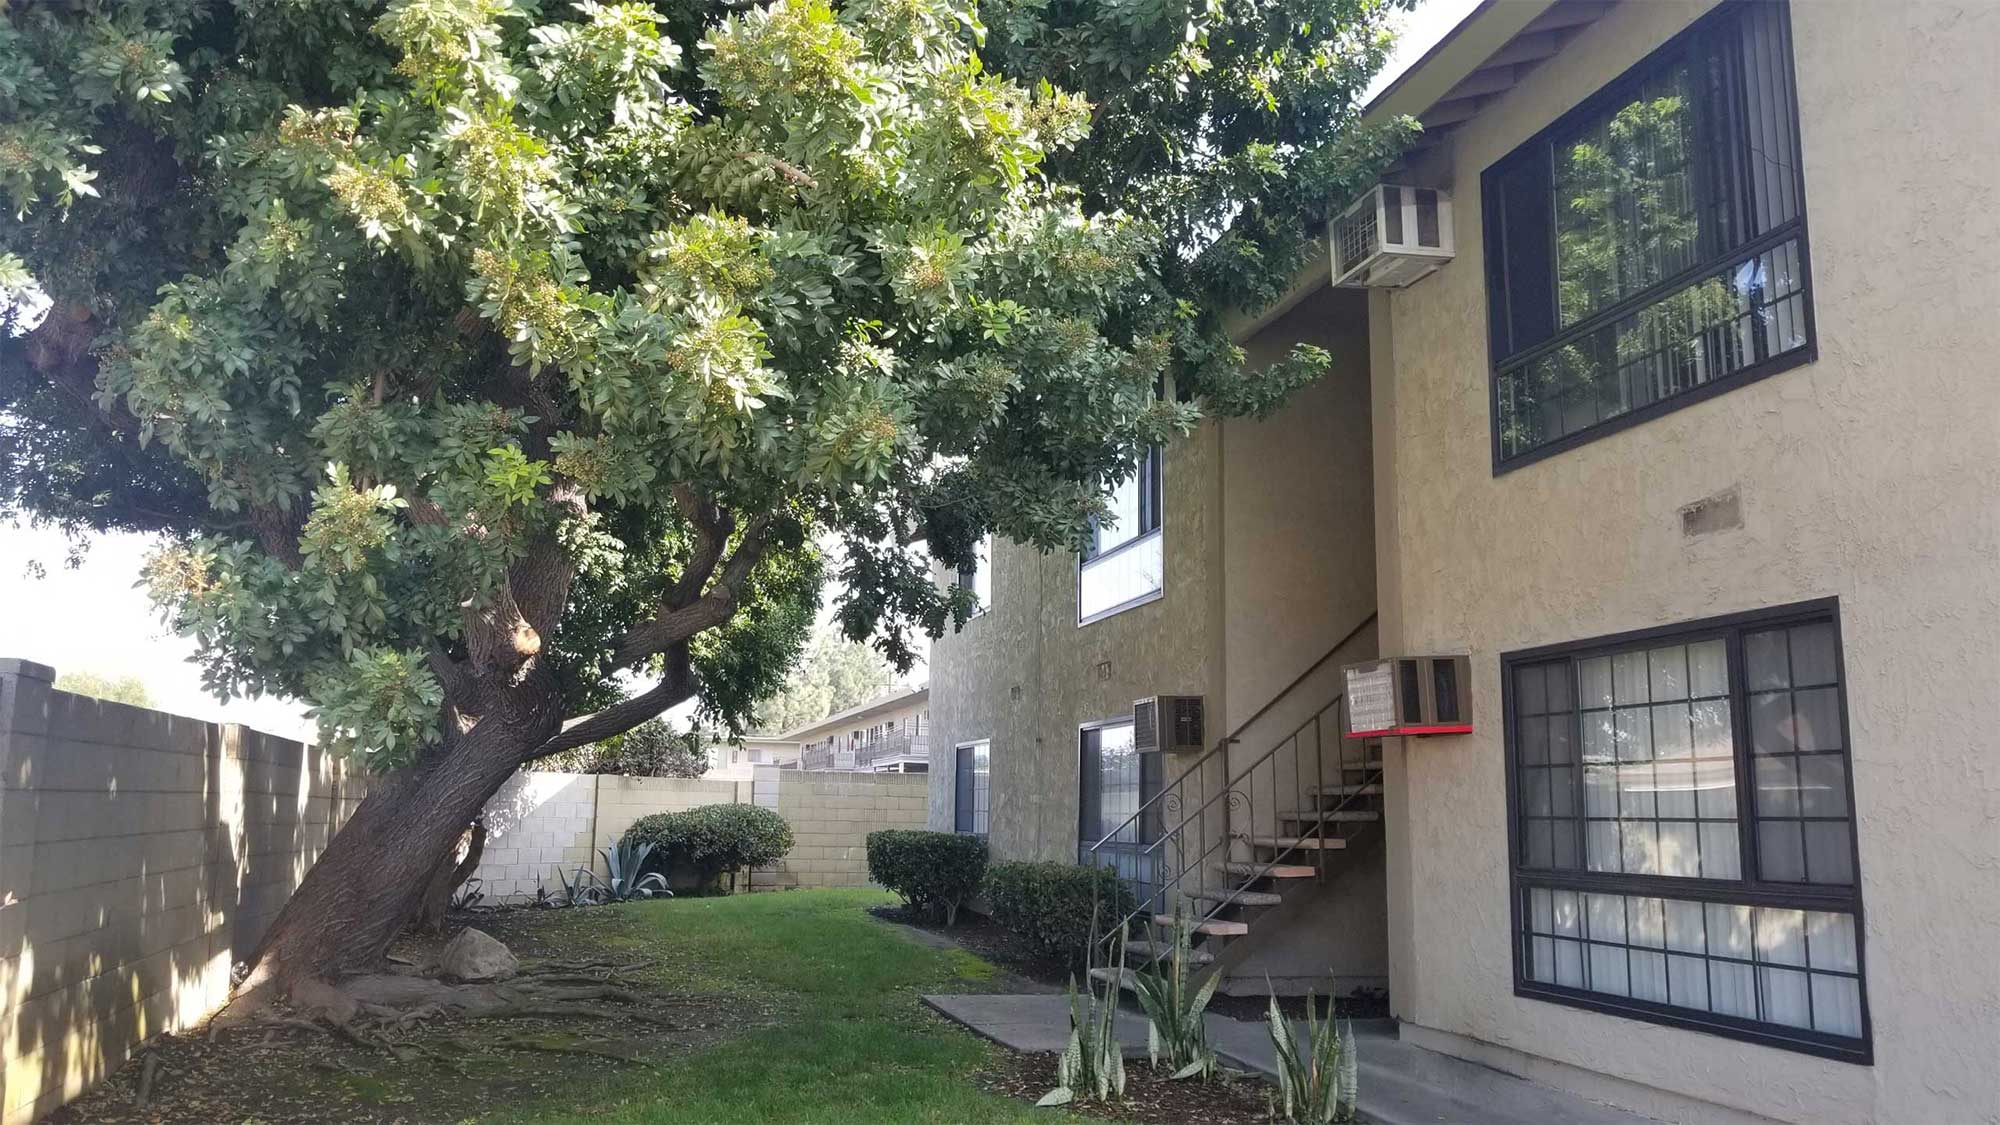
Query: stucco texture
1868	475
1269	563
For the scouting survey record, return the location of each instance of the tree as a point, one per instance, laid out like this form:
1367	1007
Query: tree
833	675
651	749
124	689
473	353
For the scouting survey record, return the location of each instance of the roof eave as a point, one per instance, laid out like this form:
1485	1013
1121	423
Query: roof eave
1464	49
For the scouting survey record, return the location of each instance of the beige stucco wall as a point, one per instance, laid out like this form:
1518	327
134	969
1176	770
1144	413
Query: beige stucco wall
1025	675
142	855
1269	563
1869	475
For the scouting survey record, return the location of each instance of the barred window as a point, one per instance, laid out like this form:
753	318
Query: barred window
1649	249
1684	828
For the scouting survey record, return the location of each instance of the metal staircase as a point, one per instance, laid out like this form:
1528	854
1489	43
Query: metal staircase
1234	849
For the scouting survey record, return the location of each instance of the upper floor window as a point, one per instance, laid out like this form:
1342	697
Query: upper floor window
1649	249
1126	563
1684	829
978	578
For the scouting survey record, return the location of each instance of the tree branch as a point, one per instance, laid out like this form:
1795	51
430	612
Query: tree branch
675	625
620	717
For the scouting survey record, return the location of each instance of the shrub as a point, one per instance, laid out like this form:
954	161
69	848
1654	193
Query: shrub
935	872
705	842
1054	904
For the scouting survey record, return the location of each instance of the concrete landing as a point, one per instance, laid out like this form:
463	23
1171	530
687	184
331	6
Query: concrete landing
1400	1084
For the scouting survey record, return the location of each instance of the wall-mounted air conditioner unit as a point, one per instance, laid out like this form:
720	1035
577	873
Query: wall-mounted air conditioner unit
1391	237
1401	696
1168	722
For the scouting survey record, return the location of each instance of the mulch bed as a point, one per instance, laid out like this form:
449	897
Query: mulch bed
989	940
1362	1004
444	1071
1149	1097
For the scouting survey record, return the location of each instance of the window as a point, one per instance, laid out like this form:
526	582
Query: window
971	800
1683	830
1649	249
1125	564
1114	780
978	578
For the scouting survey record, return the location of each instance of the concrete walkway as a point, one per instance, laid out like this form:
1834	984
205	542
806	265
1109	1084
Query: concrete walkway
1400	1084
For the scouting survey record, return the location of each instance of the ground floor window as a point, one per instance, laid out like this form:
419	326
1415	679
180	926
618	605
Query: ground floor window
1114	782
1683	829
974	771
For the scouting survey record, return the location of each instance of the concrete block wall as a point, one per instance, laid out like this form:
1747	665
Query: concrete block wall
538	824
831	815
142	854
541	822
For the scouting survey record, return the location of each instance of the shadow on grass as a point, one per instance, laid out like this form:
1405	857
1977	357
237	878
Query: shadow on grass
856	1045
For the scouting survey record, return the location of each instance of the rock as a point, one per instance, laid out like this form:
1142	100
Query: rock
477	955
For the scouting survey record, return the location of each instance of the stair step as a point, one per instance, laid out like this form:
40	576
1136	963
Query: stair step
1214	927
1271	871
1370	764
1240	898
1159	950
1369	789
1303	843
1103	976
1343	816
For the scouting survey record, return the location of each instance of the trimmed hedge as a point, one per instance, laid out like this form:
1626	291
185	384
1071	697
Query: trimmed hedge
705	842
935	872
1053	904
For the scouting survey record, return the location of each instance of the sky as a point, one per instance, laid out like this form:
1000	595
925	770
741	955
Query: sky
93	619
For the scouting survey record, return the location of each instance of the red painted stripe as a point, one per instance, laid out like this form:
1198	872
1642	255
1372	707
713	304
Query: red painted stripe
1398	732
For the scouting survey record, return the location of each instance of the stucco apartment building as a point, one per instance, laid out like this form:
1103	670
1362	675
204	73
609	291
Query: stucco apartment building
1677	414
886	734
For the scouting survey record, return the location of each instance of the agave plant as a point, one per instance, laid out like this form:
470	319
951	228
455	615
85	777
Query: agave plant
1174	1012
1092	1066
469	895
624	862
1318	1088
584	890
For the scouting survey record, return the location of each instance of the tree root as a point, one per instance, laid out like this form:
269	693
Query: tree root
530	1044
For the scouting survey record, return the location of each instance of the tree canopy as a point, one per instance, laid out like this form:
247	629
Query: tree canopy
118	689
833	674
478	356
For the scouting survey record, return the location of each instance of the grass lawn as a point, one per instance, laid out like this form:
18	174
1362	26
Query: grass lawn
855	1044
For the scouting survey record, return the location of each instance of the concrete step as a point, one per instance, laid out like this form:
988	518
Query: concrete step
1302	843
1369	789
1372	765
1160	950
1239	898
1214	927
1332	816
1276	871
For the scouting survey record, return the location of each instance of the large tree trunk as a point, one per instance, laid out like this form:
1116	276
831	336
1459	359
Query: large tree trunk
374	874
452	871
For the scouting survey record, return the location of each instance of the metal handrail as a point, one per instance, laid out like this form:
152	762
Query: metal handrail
1229	739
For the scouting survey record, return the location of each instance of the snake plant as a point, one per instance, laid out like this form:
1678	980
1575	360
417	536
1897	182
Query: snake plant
1174	1011
1319	1087
1092	1066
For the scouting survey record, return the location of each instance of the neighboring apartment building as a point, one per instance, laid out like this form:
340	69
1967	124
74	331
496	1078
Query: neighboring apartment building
887	734
737	760
1692	444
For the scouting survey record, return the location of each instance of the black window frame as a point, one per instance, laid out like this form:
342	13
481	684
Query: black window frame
1610	96
967	578
963	754
1749	890
1150	471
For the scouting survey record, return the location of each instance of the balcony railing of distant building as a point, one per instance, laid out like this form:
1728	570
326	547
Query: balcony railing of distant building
901	746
